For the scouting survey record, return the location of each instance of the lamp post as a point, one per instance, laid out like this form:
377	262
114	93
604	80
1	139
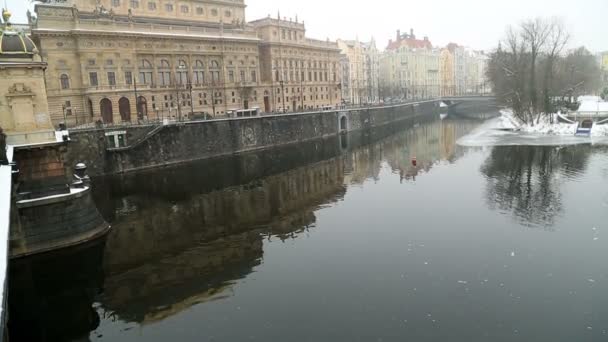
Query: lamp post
65	117
136	97
282	83
179	107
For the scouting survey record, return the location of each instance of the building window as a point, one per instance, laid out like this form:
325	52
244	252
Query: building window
109	62
93	79
227	14
242	75
134	3
91	62
111	78
128	77
254	77
65	82
199	10
185	9
169	7
215	76
231	76
214	12
152	6
115	3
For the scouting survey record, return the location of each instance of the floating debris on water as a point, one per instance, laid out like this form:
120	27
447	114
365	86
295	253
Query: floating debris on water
513	254
462	282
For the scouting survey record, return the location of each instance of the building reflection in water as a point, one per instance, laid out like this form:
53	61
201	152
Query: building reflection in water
428	143
186	235
51	295
526	181
175	245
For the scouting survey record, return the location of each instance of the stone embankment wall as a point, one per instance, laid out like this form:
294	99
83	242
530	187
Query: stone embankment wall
150	146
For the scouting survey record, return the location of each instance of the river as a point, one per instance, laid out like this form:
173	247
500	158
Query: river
346	239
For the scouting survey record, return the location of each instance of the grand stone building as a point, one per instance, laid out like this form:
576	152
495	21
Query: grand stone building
303	73
127	60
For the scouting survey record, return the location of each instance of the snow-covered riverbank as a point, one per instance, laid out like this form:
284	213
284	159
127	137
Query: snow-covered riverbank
508	130
508	121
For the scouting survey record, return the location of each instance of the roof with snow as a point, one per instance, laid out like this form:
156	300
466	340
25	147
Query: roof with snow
590	107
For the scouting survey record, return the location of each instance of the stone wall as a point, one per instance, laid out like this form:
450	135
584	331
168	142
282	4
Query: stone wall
177	143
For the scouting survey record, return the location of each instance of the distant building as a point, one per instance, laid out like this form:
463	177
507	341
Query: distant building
410	68
460	65
363	68
116	61
604	67
447	82
345	81
476	66
303	73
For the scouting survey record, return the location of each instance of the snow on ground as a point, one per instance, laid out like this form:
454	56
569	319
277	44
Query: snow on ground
5	202
508	130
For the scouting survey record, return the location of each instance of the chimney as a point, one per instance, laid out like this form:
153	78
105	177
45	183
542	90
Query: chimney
398	35
412	33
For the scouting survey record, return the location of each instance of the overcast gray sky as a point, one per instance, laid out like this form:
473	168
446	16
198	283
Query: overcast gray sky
475	23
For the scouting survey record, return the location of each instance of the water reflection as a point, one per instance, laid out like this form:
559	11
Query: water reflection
526	181
194	241
51	295
189	235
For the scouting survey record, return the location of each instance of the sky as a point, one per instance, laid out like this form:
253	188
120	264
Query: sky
477	24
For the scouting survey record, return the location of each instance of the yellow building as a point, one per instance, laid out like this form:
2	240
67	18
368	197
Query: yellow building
447	73
303	73
410	68
24	114
363	67
116	61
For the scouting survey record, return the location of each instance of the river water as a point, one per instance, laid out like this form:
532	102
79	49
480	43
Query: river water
340	240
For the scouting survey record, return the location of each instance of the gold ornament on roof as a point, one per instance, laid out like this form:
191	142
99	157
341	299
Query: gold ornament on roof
6	15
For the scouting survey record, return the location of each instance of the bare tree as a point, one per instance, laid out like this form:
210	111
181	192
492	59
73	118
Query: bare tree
535	33
557	40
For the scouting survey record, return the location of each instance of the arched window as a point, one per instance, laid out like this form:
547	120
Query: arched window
145	72
65	81
165	64
164	73
199	72
215	74
182	72
145	64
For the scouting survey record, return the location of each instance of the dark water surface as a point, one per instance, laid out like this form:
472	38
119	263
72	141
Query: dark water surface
340	240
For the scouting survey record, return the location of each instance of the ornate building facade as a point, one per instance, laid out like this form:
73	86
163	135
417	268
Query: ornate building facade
303	73
363	67
128	60
24	114
409	68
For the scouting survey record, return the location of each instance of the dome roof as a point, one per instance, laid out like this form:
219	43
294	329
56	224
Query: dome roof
16	45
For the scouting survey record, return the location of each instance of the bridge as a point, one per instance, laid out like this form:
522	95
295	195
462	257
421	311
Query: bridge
472	107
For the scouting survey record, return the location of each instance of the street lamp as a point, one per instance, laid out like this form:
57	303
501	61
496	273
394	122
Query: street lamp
183	67
282	83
